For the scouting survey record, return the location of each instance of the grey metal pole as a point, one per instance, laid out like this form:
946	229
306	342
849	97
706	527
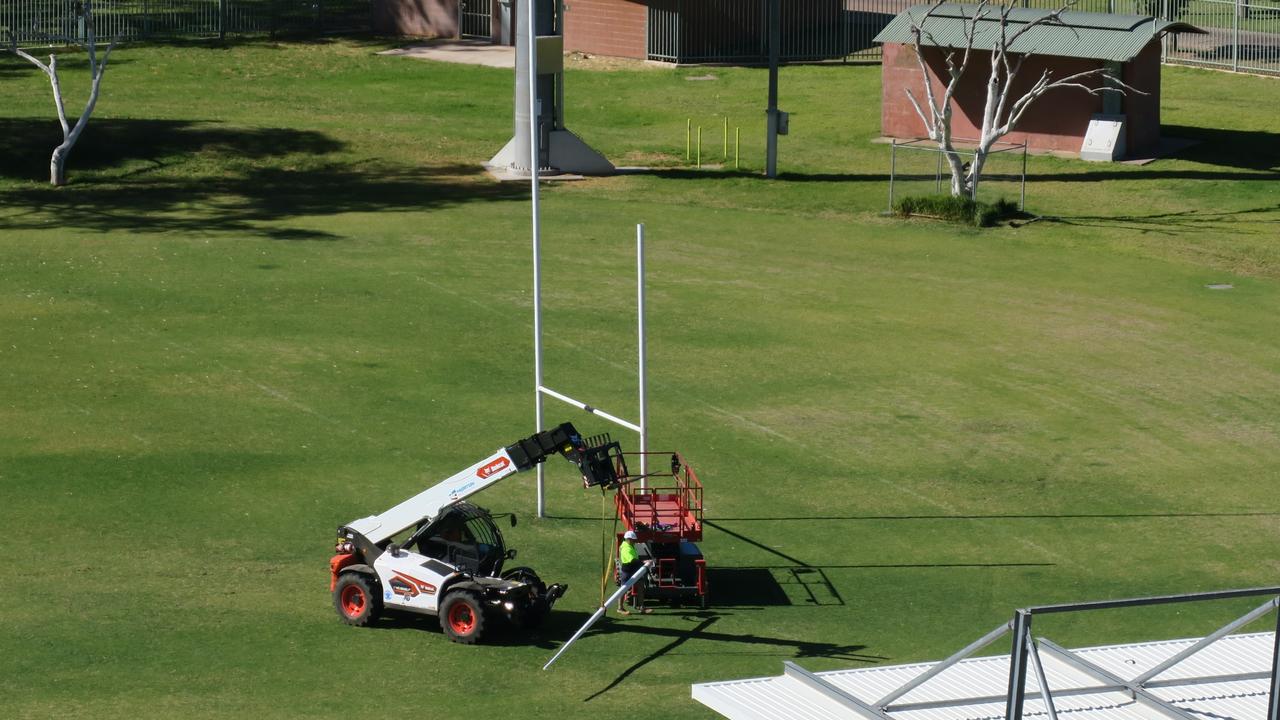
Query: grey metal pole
1235	37
1018	666
617	594
537	241
973	184
222	20
644	398
1022	199
893	169
1042	679
558	120
534	21
771	132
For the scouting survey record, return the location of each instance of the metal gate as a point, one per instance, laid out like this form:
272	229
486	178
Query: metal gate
474	18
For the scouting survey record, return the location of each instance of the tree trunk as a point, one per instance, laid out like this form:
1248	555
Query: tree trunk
958	180
58	165
975	172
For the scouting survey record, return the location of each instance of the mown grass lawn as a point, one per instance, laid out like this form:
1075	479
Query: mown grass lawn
279	295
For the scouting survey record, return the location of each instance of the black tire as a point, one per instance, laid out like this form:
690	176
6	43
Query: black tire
533	616
462	617
356	599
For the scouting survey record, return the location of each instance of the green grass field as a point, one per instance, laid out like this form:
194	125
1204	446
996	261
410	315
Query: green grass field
279	295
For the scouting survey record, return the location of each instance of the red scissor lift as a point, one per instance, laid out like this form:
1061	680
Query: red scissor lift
667	519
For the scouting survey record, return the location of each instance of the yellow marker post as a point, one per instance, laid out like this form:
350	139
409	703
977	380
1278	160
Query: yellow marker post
736	133
726	138
699	146
688	131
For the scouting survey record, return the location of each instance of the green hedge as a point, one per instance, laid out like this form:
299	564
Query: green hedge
956	209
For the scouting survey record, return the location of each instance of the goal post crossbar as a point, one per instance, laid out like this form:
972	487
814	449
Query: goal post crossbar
591	409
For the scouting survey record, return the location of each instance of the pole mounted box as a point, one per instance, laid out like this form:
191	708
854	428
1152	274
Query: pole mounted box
550	54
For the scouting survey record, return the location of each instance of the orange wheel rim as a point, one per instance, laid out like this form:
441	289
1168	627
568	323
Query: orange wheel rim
353	600
461	619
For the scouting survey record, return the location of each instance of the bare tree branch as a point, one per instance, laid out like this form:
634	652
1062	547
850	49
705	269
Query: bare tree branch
70	133
1001	111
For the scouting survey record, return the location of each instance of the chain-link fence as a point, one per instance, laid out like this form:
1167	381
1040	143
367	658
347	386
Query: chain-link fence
1240	34
57	22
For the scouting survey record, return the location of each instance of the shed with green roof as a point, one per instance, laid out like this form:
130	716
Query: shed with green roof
1127	45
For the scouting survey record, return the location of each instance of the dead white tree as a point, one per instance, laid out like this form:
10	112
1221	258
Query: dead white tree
70	133
1000	115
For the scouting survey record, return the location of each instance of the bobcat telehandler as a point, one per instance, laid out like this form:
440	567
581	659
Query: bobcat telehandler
450	564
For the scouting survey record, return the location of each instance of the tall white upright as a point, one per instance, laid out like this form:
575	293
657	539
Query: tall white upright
641	428
531	7
644	406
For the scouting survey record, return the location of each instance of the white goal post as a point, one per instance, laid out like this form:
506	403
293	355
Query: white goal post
540	387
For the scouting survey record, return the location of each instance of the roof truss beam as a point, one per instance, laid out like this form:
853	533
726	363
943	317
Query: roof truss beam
922	678
814	682
1138	692
1208	640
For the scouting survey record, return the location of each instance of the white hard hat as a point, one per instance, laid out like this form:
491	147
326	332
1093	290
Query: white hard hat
629	535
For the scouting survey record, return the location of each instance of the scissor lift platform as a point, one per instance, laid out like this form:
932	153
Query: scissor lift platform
666	516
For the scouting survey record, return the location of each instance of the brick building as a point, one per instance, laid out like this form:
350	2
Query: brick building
1127	45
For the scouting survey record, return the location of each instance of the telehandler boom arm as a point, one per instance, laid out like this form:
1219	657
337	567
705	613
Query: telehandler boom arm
595	464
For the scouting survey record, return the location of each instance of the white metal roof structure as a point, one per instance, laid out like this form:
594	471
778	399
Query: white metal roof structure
1229	679
1221	676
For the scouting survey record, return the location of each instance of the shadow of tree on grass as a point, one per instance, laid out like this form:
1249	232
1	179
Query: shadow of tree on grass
203	178
1245	149
107	143
1169	223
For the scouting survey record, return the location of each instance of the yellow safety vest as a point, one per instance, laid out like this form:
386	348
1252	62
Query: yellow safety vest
627	553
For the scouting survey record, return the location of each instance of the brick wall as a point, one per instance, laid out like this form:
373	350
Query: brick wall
1058	119
606	27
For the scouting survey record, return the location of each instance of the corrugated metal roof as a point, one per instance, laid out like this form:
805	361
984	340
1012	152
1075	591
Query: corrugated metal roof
1098	36
956	693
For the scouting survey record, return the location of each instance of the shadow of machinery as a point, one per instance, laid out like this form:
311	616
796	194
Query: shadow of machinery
554	630
705	620
771	587
138	175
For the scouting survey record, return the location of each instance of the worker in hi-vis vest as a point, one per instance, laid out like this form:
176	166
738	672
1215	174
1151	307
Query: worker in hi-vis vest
628	564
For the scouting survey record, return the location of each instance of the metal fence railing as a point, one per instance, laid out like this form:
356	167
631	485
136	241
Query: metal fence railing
734	31
1241	34
55	22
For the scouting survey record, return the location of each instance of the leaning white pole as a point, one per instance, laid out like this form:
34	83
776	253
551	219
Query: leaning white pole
644	570
537	240
644	400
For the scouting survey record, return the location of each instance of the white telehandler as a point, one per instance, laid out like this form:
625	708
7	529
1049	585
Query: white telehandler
450	563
